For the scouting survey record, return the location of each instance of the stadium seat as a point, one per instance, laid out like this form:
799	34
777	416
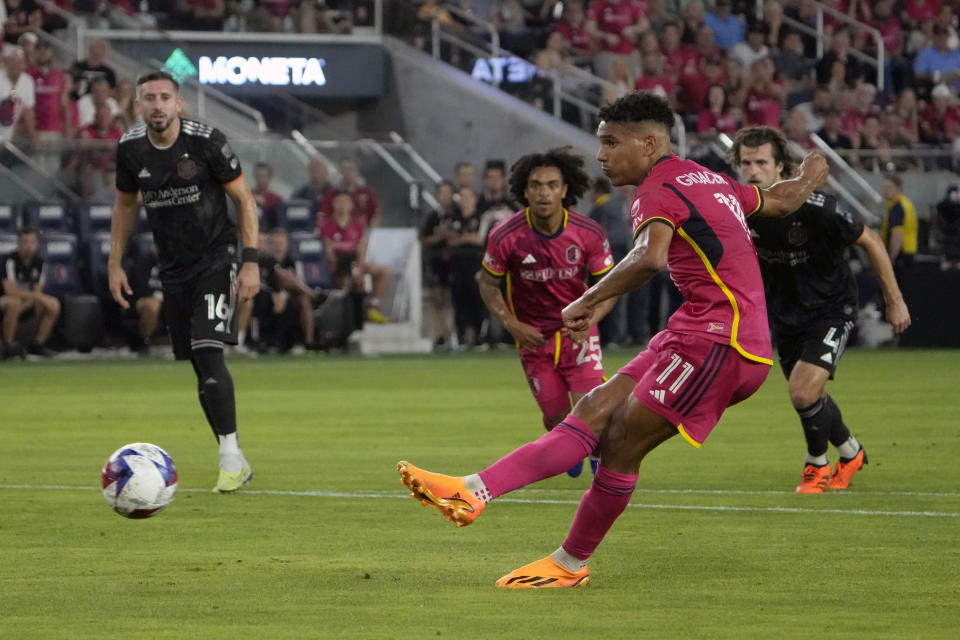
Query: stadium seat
46	216
60	264
97	254
91	218
306	249
296	216
8	244
8	218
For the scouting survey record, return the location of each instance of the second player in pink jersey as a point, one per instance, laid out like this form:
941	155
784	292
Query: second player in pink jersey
714	353
548	256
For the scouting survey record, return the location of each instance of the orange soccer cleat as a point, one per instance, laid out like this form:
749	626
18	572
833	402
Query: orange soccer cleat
447	494
814	479
843	472
544	574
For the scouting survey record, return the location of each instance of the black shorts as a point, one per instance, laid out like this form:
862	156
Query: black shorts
822	345
202	313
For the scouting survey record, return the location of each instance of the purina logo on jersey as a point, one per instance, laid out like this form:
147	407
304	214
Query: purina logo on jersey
574	254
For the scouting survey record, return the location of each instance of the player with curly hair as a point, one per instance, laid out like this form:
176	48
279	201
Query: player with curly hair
714	353
548	255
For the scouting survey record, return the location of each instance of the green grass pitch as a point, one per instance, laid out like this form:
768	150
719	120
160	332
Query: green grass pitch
326	543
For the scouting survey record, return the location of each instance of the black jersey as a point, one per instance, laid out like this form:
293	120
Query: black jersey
183	194
804	264
26	275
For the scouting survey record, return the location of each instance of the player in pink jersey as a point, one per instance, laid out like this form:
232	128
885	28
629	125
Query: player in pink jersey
547	254
714	353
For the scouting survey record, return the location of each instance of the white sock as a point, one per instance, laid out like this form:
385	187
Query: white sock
567	561
231	458
476	487
816	460
228	443
241	337
849	449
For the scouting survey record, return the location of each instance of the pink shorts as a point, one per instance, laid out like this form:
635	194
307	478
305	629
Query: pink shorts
560	368
690	381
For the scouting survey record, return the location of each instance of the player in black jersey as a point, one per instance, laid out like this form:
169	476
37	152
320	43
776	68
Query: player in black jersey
184	169
812	300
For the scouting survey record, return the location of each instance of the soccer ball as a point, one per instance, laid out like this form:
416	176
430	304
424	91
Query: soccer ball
138	480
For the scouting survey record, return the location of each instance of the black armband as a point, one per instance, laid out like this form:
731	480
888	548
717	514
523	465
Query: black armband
249	254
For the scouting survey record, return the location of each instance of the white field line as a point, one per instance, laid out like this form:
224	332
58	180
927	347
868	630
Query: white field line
401	494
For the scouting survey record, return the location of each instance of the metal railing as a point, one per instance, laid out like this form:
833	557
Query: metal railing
878	61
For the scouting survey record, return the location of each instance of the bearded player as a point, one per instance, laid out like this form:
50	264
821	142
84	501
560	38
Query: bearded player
548	256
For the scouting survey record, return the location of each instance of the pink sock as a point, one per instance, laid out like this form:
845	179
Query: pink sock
551	454
600	506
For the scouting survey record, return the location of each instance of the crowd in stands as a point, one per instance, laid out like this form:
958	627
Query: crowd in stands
722	64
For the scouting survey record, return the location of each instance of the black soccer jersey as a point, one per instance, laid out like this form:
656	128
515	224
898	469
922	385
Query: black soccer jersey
182	187
26	275
804	265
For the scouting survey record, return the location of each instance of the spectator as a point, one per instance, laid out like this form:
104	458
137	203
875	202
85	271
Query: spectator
704	46
127	102
315	16
344	237
919	39
433	237
794	67
318	184
23	281
97	156
836	82
267	200
692	20
466	240
764	95
754	47
946	18
889	27
864	98
796	130
208	15
17	97
854	70
832	131
869	138
695	83
938	63
899	227
776	30
494	204
733	82
717	116
916	11
675	54
365	206
619	79
816	110
573	26
909	118
614	25
23	16
654	80
940	120
464	175
510	18
52	96
727	27
805	12
947	226
98	95
94	66
28	44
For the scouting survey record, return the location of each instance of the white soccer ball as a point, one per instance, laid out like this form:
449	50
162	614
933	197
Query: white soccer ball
138	480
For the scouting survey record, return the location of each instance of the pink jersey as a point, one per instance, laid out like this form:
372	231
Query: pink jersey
48	89
343	239
712	259
546	273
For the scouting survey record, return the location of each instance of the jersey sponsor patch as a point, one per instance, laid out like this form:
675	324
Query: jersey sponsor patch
187	168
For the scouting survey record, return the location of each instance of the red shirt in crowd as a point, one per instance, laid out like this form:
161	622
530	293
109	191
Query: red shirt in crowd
708	122
101	159
948	123
343	240
614	18
364	204
660	85
762	108
580	41
919	10
49	88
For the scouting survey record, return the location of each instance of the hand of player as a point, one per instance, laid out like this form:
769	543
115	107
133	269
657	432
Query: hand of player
577	337
248	282
527	336
815	169
898	316
577	317
118	284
